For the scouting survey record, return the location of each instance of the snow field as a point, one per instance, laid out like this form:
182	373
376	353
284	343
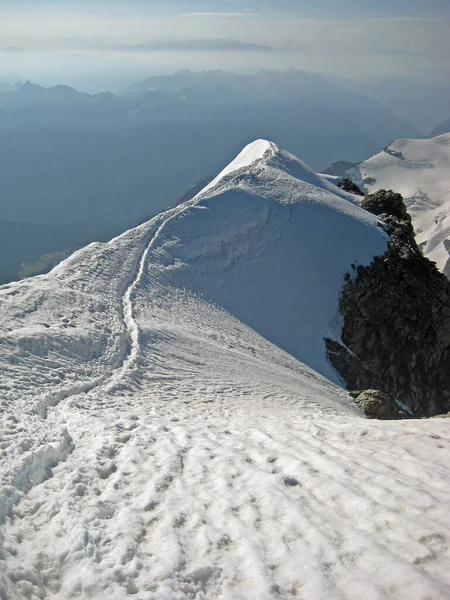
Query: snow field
172	430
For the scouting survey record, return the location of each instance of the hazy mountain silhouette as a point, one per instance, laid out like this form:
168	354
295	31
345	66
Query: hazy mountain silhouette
441	128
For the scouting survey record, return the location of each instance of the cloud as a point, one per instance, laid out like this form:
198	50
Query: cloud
221	15
348	38
12	50
195	45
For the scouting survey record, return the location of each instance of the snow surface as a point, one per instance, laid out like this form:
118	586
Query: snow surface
170	426
420	171
336	179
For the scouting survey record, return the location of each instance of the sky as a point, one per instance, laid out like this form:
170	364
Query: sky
107	44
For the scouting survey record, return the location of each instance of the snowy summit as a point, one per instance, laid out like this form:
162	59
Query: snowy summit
171	428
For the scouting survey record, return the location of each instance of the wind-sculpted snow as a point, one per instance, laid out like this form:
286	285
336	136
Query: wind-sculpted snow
272	249
161	438
419	170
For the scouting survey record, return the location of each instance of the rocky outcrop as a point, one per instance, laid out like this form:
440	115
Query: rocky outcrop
397	319
375	404
388	204
350	186
352	371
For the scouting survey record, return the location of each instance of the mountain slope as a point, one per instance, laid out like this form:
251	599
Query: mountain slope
263	216
419	170
441	129
159	441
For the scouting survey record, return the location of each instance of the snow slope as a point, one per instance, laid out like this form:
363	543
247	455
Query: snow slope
420	171
170	426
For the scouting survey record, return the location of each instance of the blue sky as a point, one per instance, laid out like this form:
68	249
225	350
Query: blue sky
325	8
311	7
351	38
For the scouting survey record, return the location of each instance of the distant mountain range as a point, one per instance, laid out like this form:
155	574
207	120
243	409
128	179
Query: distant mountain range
421	103
66	154
441	128
306	90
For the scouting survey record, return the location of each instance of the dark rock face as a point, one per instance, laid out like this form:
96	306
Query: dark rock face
387	203
375	404
351	370
397	320
349	186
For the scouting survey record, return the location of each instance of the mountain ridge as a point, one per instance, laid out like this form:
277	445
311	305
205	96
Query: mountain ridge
158	439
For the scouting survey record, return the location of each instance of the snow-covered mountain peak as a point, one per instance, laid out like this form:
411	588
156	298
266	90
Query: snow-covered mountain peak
268	240
271	241
271	163
251	156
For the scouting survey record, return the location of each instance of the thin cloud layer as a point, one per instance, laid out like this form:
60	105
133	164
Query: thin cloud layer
193	45
350	38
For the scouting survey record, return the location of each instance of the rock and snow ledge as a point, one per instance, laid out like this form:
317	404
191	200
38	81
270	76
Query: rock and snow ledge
396	315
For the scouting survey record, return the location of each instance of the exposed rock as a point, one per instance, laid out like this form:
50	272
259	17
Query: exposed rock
446	269
350	186
375	404
351	370
387	203
397	319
